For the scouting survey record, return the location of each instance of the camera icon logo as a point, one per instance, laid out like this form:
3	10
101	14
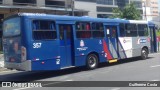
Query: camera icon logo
6	84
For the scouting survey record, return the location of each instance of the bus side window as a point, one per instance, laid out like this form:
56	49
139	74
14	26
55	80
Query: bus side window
142	30
131	30
122	30
44	30
97	30
83	30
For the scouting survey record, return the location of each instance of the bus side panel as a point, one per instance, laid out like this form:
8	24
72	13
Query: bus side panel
138	43
80	60
45	57
126	43
136	47
84	47
102	57
45	65
122	54
133	45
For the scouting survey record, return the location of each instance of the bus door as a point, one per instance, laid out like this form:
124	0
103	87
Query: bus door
153	39
66	44
112	40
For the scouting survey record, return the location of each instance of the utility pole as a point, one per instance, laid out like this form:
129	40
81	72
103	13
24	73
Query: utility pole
66	7
72	7
159	20
145	11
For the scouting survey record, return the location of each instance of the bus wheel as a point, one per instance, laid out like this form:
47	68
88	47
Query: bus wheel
92	61
144	54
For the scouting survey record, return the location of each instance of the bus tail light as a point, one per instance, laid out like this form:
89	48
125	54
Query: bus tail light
23	53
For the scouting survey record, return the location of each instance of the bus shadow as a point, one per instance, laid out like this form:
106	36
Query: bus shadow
38	75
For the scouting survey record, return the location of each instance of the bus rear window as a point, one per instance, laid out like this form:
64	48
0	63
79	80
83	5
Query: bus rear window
44	30
11	27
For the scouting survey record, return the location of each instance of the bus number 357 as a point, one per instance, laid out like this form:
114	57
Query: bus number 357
37	45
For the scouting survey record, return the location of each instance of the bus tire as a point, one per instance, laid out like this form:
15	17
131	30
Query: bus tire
92	61
144	54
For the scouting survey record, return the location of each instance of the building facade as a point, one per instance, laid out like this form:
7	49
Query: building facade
151	11
150	8
60	7
103	8
97	8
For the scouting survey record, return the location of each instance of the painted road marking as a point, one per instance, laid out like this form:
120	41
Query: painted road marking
53	83
154	80
68	80
155	66
22	88
115	89
56	82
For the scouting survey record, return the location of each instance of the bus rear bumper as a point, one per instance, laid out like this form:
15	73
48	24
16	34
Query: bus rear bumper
24	66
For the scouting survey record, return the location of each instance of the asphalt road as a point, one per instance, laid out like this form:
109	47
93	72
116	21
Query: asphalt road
124	70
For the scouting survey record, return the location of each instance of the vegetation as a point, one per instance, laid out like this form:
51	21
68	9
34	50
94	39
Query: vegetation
158	33
128	12
1	52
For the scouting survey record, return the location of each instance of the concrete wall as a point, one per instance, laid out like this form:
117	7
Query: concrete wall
8	2
40	2
88	6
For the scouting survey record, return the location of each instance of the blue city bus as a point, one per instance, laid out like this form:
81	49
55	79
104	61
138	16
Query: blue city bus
52	42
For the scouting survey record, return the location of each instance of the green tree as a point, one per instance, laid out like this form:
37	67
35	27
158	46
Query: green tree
117	13
158	33
129	12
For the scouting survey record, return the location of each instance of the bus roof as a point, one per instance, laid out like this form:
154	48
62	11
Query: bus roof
150	23
138	21
83	18
76	18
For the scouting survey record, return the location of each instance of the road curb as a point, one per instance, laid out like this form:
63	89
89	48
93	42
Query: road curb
154	53
1	61
3	69
1	64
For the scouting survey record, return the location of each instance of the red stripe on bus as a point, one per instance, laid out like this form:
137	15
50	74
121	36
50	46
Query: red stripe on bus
106	50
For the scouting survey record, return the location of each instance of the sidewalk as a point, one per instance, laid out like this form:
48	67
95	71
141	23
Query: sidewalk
2	63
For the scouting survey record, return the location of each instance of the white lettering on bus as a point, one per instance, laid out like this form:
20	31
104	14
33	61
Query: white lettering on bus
57	61
82	48
37	45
